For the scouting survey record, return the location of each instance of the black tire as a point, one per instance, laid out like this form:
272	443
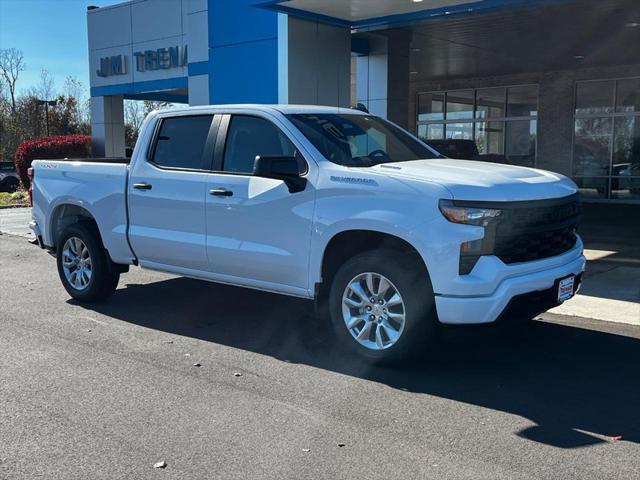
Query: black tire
104	277
412	282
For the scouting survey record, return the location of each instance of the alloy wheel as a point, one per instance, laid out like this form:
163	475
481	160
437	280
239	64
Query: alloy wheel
76	263
373	311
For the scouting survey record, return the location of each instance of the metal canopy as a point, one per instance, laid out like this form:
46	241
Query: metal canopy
565	35
366	15
461	38
353	11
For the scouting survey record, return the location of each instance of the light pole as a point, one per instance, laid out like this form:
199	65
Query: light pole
47	104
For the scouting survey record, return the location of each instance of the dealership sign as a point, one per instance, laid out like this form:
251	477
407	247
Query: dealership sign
113	65
147	60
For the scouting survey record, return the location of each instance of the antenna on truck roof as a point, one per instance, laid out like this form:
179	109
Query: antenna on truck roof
361	107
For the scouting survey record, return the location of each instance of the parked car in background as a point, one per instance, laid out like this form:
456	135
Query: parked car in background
628	177
329	204
463	150
619	174
455	148
9	180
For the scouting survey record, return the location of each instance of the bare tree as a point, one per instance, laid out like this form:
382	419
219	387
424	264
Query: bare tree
46	86
73	88
134	114
151	105
11	64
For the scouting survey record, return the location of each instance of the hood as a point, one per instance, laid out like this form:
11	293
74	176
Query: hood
473	180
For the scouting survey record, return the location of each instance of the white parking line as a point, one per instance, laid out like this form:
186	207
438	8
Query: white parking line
15	221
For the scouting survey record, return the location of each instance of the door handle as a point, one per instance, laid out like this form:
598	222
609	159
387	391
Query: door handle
221	192
142	186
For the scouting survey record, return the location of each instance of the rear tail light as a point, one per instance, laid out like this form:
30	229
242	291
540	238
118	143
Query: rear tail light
31	175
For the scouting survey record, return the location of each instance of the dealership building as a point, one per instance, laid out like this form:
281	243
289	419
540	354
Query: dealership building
553	84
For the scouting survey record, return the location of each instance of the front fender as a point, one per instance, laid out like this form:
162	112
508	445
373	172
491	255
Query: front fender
365	199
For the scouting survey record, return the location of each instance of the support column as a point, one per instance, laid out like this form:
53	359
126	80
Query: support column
243	52
314	63
555	122
382	82
199	90
277	59
107	126
197	37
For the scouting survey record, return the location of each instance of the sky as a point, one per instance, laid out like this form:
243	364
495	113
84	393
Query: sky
52	34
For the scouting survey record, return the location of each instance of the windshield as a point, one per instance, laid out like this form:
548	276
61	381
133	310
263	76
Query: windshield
359	140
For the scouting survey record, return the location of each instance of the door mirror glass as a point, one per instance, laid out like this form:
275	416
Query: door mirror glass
281	168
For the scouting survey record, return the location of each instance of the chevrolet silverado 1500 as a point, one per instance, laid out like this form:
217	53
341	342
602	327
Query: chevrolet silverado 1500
330	204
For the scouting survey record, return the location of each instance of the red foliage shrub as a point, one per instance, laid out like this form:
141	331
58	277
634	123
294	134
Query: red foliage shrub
49	148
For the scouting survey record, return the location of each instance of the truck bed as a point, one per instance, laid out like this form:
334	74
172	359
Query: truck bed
95	185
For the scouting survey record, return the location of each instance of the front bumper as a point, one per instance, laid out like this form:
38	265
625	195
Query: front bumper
513	290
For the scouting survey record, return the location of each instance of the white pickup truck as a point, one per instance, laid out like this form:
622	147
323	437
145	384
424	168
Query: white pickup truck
330	204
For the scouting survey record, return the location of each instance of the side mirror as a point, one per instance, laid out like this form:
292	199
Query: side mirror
281	168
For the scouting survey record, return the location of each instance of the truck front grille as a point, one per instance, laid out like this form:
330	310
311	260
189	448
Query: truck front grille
527	231
535	230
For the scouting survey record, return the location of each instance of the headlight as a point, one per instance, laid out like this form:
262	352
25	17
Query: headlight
468	215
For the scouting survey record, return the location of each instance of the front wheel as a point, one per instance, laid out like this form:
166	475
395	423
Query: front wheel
84	268
382	306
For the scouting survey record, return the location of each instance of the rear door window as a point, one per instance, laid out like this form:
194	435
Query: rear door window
181	142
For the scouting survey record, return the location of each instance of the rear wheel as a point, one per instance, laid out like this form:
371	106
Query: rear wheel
382	306
85	270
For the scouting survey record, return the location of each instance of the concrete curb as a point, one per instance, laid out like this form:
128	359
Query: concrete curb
4	207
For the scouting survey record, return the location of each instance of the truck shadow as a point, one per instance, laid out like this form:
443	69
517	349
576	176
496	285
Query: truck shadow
568	380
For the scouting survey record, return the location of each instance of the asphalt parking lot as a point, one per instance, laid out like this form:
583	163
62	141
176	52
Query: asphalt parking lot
106	391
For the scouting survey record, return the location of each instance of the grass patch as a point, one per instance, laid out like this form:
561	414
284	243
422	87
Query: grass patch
19	198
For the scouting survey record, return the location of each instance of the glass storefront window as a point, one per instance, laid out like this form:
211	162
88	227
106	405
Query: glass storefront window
489	139
625	170
484	123
594	98
626	146
591	187
490	102
460	105
628	95
607	139
625	188
522	101
520	144
459	131
433	131
431	106
592	147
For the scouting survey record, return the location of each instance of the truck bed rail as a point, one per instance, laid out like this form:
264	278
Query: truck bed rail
90	159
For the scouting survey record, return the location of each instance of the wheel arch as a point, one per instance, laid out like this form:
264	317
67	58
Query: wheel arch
66	214
347	243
